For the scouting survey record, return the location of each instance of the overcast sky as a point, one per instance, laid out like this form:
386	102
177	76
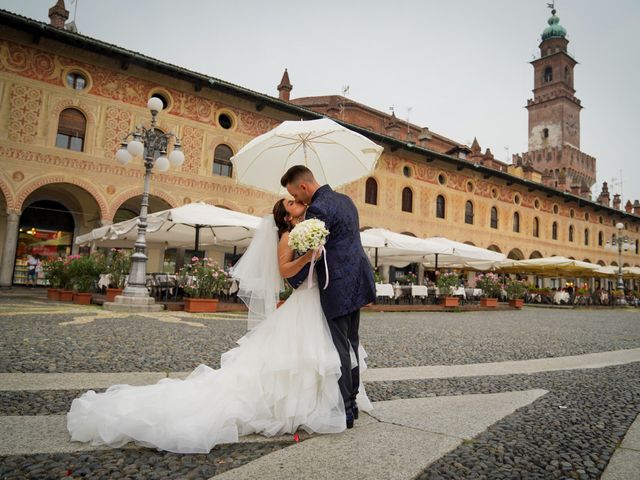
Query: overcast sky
460	65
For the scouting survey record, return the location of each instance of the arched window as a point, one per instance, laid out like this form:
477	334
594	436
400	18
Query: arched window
637	247
468	212
571	233
586	236
516	222
440	206
71	130
221	161
600	239
494	217
407	200
371	191
536	227
548	74
554	231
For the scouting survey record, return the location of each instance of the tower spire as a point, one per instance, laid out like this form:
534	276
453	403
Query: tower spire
285	87
58	15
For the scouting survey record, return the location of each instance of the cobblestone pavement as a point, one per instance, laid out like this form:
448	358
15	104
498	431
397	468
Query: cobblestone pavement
571	432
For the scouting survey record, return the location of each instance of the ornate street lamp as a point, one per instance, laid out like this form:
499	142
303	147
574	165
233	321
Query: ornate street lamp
619	243
152	145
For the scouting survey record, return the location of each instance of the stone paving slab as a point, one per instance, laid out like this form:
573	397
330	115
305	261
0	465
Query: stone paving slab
625	462
75	381
589	360
624	465
461	416
632	438
25	435
400	446
378	451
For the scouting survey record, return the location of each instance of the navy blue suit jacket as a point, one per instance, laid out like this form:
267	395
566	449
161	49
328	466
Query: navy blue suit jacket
351	284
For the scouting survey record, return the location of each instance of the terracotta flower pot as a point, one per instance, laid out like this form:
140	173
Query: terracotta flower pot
82	298
66	296
451	302
489	302
53	293
280	302
516	303
195	305
111	294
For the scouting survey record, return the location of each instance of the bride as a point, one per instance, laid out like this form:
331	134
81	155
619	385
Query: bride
282	376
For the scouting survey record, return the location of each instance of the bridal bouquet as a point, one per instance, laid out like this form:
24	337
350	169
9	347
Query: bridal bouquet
308	235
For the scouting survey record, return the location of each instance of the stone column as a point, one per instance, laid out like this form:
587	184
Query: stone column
9	249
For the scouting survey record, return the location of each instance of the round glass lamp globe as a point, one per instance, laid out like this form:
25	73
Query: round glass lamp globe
619	226
135	148
123	156
154	104
162	164
176	157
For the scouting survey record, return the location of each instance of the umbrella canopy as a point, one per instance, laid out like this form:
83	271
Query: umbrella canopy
550	267
612	271
464	256
398	249
334	154
194	224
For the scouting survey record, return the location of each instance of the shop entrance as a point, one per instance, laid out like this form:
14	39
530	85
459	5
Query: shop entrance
45	231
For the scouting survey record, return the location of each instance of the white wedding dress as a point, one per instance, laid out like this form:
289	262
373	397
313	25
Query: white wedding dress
282	377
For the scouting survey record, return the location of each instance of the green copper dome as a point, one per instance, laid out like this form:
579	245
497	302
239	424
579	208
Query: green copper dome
554	29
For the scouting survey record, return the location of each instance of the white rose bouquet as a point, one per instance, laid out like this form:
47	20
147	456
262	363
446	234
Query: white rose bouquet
308	235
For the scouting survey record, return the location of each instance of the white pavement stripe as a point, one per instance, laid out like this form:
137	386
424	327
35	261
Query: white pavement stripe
386	448
85	381
625	462
74	381
589	360
30	435
398	450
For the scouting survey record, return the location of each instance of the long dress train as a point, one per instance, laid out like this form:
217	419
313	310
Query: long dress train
283	376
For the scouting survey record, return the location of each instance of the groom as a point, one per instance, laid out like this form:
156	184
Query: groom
351	283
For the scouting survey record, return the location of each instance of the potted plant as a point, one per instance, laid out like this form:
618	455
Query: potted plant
84	271
515	292
411	278
66	283
54	272
445	283
118	270
202	280
490	285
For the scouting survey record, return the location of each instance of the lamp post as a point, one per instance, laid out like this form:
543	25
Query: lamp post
152	145
619	243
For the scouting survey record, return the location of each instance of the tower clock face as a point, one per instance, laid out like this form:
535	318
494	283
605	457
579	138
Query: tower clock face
571	125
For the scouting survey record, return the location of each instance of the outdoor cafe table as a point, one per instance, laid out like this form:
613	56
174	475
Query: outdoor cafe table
561	297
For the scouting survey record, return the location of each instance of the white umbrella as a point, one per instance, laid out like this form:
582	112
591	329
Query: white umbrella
193	224
398	249
550	267
464	256
334	154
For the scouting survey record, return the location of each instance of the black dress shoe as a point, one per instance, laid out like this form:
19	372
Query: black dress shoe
355	411
349	418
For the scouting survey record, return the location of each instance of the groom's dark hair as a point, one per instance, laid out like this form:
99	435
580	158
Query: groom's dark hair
296	173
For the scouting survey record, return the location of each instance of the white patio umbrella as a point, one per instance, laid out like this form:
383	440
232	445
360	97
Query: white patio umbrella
550	267
464	256
397	249
335	154
194	224
612	271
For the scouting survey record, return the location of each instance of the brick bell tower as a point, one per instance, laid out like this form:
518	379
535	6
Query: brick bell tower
554	116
